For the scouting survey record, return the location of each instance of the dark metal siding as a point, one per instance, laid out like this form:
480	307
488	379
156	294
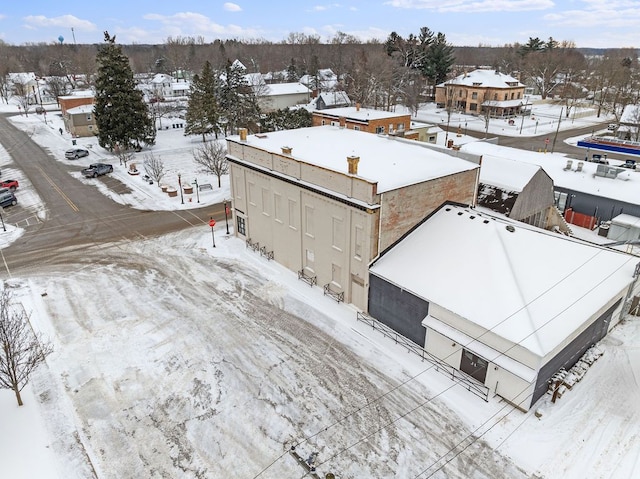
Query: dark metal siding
574	351
398	309
602	208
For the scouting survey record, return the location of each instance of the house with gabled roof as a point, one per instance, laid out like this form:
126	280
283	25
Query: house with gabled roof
332	99
506	304
521	191
480	91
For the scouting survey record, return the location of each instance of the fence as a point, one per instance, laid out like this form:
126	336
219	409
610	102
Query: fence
454	374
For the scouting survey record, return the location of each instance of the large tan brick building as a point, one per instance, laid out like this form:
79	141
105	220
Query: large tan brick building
325	201
480	91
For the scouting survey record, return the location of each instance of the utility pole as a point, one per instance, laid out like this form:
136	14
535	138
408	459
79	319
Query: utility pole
555	137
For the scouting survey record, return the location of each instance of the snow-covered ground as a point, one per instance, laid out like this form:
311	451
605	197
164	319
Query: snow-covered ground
190	361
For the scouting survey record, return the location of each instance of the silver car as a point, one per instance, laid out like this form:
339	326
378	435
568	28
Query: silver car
75	153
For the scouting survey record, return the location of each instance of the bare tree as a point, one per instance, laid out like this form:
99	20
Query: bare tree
210	157
154	167
23	96
21	350
123	154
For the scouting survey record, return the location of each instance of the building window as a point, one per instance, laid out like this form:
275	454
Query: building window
400	126
380	129
308	220
89	117
323	123
337	233
512	95
473	106
277	207
356	127
335	123
266	203
293	214
474	95
242	226
90	127
519	95
495	97
506	96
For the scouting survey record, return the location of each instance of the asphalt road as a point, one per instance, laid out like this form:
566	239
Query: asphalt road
78	215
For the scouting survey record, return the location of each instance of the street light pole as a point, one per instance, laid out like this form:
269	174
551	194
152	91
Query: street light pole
197	190
180	186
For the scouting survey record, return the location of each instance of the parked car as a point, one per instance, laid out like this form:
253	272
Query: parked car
612	127
75	153
10	184
97	169
631	164
7	198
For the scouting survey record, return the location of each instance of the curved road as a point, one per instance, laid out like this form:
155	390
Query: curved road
78	215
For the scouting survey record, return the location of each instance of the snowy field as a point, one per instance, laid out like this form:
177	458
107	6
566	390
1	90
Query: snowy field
190	361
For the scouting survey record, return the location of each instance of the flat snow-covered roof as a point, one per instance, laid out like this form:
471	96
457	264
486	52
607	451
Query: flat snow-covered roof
389	162
81	109
361	114
528	286
296	88
626	187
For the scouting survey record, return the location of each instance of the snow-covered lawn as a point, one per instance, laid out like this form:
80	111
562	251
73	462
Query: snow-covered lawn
175	359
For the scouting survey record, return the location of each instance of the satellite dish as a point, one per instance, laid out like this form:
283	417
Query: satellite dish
61	39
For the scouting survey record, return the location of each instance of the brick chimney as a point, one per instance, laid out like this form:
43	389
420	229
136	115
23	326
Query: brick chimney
343	122
353	164
357	106
243	134
286	150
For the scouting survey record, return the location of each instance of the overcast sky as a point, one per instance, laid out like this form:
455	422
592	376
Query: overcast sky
588	23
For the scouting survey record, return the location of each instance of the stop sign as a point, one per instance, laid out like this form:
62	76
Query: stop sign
212	222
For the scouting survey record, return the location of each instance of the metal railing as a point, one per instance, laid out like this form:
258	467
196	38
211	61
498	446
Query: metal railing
454	374
307	278
337	295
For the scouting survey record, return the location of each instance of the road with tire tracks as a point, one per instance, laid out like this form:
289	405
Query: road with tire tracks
78	215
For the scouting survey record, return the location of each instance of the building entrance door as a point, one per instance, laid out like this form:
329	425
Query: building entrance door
474	366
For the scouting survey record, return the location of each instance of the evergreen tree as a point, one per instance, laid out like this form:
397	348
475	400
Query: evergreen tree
440	58
237	100
292	72
203	111
122	116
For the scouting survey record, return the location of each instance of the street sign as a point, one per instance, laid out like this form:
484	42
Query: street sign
212	222
546	141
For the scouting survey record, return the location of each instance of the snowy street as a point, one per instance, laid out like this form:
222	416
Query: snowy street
173	362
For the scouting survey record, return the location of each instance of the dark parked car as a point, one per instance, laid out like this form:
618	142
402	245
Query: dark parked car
7	198
97	169
75	153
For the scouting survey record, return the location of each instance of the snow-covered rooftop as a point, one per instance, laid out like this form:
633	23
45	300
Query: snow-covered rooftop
626	187
631	115
361	114
391	163
547	284
510	175
293	88
485	79
627	220
80	109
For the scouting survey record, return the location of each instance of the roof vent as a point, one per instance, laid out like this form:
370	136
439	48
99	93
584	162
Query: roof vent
510	229
286	150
